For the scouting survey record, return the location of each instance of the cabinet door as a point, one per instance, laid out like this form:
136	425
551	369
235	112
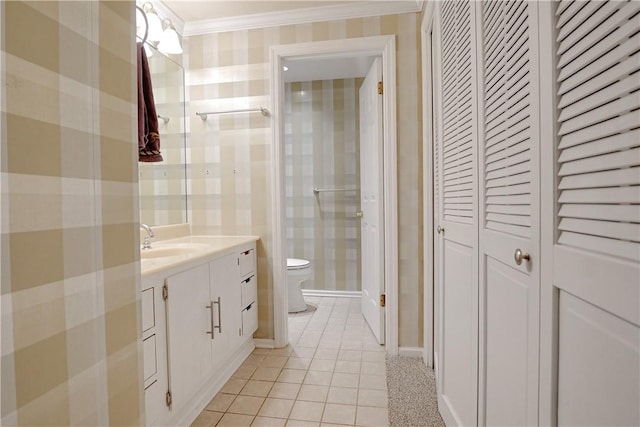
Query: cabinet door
188	320
225	295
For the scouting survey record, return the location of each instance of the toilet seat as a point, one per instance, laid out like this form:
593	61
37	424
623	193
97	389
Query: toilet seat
297	264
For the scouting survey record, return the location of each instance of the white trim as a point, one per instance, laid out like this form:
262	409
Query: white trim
413	352
300	16
264	343
331	293
366	46
427	182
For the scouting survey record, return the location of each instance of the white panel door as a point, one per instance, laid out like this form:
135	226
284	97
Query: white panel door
456	152
596	271
371	187
188	324
509	214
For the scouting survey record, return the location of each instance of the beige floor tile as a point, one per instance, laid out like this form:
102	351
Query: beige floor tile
298	363
301	351
339	414
266	374
268	422
247	405
221	402
331	344
235	420
326	353
348	344
369	397
372	417
244	372
285	351
377	382
342	395
347	367
373	356
233	386
374	368
331	425
254	359
276	408
261	351
318	378
257	388
207	419
274	361
313	393
344	380
300	423
307	411
350	355
291	376
326	365
284	390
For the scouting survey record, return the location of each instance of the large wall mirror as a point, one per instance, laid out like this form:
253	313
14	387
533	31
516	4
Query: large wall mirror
163	185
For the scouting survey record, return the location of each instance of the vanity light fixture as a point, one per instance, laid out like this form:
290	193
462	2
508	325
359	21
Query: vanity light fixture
169	42
155	25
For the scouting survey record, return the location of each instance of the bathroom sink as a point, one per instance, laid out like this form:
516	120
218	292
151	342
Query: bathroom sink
170	250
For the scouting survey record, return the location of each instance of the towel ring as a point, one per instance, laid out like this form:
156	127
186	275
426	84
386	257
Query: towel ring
146	24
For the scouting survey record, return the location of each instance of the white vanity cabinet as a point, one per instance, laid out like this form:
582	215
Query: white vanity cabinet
209	316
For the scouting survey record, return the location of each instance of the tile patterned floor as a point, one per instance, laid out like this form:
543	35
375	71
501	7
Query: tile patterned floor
332	373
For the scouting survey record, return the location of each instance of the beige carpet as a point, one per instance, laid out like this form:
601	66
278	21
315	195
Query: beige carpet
412	393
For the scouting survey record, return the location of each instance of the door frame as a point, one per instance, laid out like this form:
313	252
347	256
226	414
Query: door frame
385	47
426	29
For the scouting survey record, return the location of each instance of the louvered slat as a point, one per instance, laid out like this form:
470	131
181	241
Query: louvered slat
620	141
507	118
612	178
457	137
623	213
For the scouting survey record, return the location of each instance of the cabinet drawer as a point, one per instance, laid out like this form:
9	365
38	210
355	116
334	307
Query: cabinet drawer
148	310
250	320
149	352
247	262
249	291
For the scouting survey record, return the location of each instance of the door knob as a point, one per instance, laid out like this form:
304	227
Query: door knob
359	214
519	256
440	230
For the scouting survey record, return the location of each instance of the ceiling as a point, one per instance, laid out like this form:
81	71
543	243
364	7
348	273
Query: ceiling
190	11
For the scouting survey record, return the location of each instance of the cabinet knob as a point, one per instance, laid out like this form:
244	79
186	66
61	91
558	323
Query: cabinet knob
519	256
359	214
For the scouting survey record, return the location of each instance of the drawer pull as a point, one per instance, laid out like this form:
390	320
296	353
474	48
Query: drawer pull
211	319
219	315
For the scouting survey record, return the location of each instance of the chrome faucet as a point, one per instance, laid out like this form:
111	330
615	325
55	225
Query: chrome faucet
146	244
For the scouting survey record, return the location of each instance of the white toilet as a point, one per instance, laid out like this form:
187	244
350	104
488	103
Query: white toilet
298	270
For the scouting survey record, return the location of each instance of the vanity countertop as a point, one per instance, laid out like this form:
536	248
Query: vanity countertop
170	256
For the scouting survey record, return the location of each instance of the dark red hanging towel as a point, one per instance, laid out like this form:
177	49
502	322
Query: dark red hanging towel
148	136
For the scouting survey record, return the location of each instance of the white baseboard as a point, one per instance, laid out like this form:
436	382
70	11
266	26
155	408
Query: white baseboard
264	343
416	352
331	293
189	412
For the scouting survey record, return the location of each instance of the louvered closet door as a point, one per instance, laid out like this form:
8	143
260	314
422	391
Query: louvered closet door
596	271
457	390
509	210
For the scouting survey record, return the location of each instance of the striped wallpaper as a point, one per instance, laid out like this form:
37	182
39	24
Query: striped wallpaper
322	149
230	155
163	185
70	275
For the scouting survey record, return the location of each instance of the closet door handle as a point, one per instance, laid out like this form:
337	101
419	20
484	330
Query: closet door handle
518	256
219	315
211	320
439	229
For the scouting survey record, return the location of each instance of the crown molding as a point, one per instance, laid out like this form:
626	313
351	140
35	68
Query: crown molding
166	12
301	16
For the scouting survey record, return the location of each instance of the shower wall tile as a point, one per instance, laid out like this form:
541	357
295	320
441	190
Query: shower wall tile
231	190
70	280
